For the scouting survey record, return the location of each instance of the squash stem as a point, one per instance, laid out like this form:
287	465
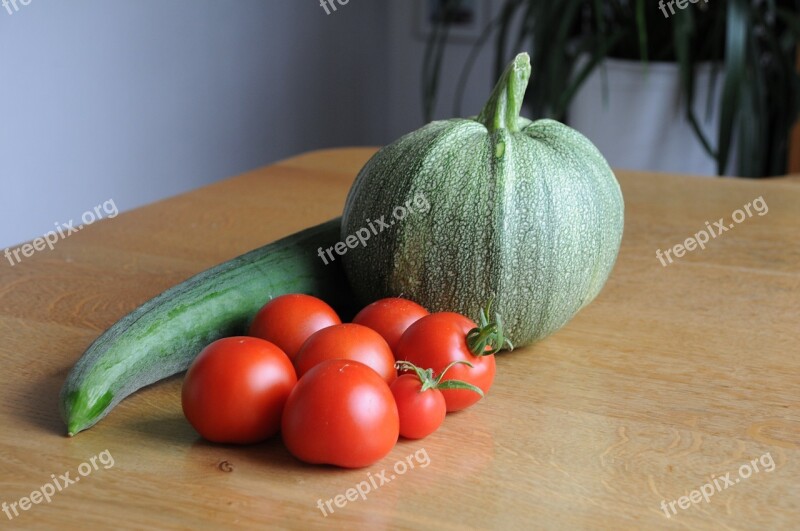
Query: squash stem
504	105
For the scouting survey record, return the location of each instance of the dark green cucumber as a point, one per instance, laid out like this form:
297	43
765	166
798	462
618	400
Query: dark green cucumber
163	336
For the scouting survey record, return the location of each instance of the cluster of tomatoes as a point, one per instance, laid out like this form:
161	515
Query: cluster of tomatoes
340	394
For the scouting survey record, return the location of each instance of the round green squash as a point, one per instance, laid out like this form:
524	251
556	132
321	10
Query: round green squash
464	211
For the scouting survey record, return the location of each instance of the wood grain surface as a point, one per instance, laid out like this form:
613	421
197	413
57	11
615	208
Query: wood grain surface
673	377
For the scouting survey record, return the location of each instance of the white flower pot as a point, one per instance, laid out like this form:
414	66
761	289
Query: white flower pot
642	125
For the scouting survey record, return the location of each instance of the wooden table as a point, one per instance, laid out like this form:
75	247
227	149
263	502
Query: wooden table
672	375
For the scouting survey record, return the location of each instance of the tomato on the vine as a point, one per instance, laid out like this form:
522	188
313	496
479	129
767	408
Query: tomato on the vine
437	340
420	402
288	320
341	413
235	390
390	318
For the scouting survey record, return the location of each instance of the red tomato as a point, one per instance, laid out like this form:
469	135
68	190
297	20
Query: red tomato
390	318
420	402
340	413
289	320
439	339
421	412
347	341
235	390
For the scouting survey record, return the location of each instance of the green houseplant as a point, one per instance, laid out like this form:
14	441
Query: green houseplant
753	42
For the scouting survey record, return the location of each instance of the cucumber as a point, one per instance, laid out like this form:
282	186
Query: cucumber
163	336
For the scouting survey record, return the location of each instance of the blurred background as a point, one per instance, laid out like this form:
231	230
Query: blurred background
138	101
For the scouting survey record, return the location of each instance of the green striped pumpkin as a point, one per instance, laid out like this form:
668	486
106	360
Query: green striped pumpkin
527	214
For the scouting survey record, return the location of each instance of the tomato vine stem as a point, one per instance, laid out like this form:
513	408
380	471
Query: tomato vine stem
488	337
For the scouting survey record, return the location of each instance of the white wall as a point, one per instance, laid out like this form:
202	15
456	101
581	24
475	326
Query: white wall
406	50
138	100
